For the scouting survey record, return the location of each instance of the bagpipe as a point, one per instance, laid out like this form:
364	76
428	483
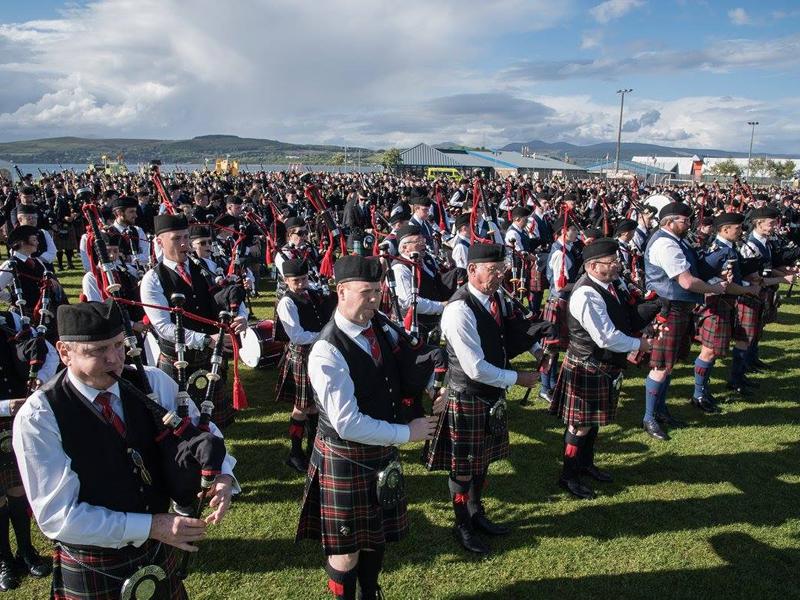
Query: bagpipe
330	233
155	177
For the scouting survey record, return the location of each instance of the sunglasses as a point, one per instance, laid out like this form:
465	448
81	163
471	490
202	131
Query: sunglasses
300	232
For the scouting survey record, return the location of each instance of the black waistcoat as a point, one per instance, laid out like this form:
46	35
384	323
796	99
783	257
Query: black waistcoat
493	344
99	455
198	299
13	367
29	278
376	388
581	344
312	311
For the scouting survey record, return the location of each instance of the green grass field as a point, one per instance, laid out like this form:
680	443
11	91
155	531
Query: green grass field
713	513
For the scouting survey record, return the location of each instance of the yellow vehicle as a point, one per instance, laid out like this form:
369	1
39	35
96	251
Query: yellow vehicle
226	166
432	173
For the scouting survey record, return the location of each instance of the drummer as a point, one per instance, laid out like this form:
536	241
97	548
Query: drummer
302	313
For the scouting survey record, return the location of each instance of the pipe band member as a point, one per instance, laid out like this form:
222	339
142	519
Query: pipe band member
91	468
353	369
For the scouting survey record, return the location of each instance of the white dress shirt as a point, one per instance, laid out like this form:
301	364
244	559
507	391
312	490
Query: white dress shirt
143	251
588	307
48	253
461	330
152	293
402	277
290	319
667	254
460	252
6	277
52	486
330	378
90	288
558	256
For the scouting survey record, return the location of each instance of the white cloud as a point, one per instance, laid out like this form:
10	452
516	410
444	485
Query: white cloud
591	39
614	9
739	16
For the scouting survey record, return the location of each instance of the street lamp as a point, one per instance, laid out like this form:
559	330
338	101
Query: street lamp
619	129
750	152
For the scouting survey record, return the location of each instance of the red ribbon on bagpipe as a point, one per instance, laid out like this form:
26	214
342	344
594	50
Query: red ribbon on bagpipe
156	177
437	194
477	197
239	395
256	220
326	265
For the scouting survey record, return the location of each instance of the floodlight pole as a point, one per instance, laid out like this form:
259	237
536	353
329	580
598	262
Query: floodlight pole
619	128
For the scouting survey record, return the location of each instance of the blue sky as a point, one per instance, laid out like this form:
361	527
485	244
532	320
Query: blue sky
381	73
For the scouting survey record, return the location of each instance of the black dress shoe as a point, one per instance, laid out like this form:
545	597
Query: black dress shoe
8	575
597	474
576	488
750	383
704	404
34	565
740	390
670	421
653	429
469	541
297	462
760	364
546	396
481	522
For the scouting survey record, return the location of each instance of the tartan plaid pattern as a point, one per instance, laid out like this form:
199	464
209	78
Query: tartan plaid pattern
340	504
714	324
461	444
73	581
223	414
747	326
9	473
582	396
555	311
538	280
674	345
293	383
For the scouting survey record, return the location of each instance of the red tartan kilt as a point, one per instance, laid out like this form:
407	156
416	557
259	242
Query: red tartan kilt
747	326
72	581
582	396
538	280
461	445
674	345
340	504
293	383
223	414
555	311
714	324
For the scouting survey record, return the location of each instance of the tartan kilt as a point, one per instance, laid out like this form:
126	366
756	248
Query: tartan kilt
223	414
73	581
538	281
9	471
747	325
769	308
340	503
675	344
582	396
461	444
293	383
714	324
555	311
69	241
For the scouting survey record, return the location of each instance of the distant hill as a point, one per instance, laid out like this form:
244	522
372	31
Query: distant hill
598	152
195	150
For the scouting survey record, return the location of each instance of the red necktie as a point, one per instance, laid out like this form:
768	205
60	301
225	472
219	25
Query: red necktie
183	274
104	401
613	291
494	310
29	262
374	347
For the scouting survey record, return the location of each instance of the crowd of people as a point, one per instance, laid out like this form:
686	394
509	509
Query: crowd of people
400	303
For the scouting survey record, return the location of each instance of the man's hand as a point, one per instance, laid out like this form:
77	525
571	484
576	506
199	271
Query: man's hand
422	428
139	326
16	404
440	402
239	324
527	379
177	531
644	344
220	495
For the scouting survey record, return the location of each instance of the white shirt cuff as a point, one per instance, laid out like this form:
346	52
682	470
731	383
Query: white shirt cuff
137	528
403	434
509	378
5	408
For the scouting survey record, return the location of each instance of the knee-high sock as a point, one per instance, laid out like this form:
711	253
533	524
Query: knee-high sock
572	451
5	546
738	365
652	392
752	354
702	375
474	503
369	568
459	492
661	407
342	584
587	452
311	431
21	522
296	430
